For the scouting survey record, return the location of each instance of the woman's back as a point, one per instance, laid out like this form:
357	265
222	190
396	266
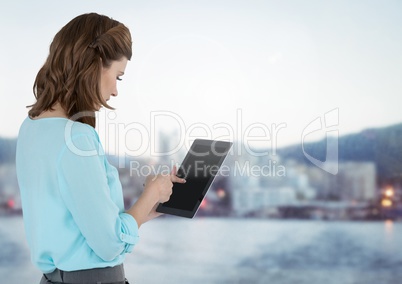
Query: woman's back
50	153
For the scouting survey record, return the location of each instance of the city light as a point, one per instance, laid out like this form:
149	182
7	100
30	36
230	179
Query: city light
203	204
386	203
389	192
221	193
11	203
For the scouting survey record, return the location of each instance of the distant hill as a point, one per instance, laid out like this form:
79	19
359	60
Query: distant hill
7	150
383	146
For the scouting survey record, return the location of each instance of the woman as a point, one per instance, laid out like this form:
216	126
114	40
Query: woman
74	217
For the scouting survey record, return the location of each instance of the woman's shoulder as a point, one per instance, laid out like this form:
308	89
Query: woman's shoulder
58	126
57	120
76	128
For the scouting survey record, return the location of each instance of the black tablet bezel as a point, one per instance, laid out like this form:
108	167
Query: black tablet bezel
203	142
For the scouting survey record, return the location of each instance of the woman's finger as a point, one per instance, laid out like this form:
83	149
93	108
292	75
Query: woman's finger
174	171
177	179
174	177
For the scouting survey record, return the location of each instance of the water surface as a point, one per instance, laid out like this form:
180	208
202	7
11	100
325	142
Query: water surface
217	250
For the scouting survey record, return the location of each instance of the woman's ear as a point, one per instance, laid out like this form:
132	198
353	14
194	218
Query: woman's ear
101	63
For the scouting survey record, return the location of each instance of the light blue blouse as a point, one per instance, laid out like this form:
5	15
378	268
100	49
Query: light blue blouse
71	196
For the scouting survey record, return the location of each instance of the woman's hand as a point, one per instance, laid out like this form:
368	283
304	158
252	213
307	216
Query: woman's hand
161	185
174	177
158	189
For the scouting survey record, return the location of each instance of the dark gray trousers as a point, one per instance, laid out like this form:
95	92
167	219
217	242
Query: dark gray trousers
107	275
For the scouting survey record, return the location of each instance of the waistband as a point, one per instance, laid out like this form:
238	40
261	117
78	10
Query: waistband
107	275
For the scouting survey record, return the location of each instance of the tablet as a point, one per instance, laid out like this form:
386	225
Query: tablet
199	168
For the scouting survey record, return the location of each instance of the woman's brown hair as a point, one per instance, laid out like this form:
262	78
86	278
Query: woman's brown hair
72	71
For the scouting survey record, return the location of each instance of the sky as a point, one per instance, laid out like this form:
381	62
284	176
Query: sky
271	72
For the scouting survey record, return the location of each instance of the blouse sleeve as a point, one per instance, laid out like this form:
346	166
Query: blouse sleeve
84	188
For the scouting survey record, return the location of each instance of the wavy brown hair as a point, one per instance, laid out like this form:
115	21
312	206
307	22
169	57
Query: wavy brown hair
72	72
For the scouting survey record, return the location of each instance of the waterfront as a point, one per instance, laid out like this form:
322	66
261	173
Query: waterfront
222	250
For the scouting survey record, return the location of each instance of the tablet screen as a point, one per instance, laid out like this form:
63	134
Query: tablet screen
199	168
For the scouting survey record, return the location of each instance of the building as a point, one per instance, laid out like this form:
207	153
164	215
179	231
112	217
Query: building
355	181
252	199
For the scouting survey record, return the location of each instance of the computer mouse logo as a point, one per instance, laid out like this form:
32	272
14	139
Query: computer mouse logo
331	123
